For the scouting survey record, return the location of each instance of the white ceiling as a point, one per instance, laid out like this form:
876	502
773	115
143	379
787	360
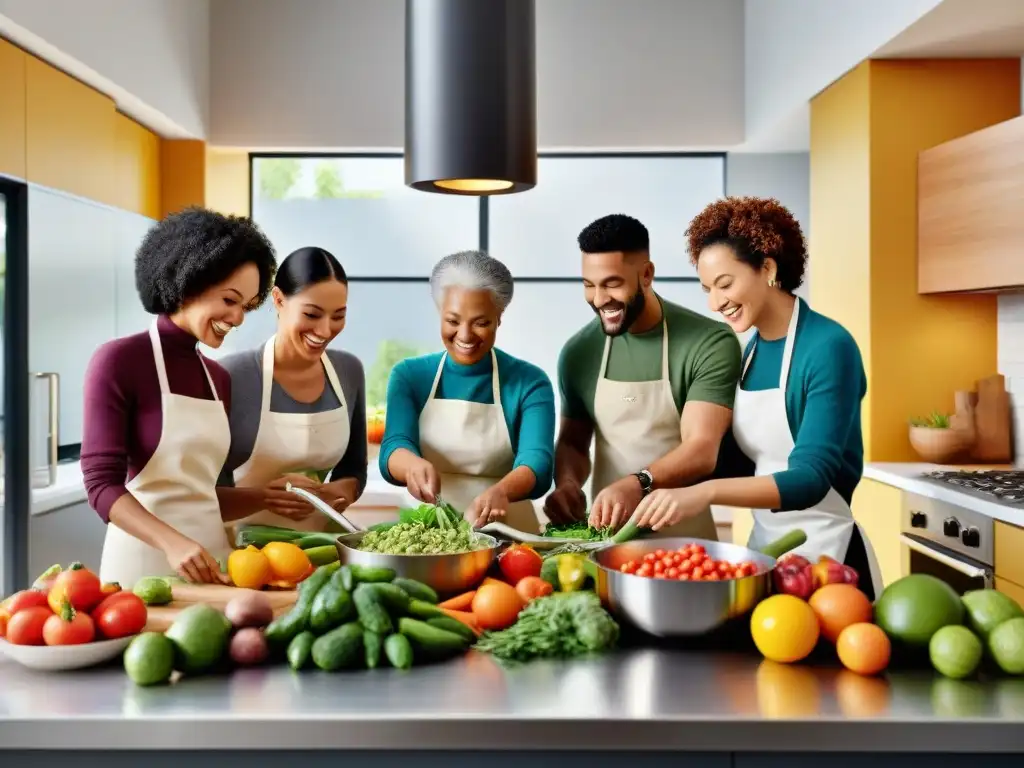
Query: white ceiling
959	29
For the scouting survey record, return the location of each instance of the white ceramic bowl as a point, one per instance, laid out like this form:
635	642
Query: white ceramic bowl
54	658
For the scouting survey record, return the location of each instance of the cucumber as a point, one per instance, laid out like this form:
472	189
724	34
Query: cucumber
398	651
331	607
432	641
261	535
417	589
449	624
316	540
421	610
370	573
300	650
322	555
348	579
283	629
371	610
341	648
395	599
373	644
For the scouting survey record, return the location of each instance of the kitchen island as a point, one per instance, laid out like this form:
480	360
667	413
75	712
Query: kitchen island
722	710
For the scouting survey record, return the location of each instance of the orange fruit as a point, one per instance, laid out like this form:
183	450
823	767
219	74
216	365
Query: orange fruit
496	605
864	648
249	568
287	561
837	606
784	628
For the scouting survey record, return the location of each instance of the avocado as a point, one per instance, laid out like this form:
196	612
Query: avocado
200	635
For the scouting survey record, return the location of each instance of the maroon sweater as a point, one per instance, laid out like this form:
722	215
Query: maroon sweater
122	419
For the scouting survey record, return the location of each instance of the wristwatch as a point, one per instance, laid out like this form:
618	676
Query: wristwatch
646	481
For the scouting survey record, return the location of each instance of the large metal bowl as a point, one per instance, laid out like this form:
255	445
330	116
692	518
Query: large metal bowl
666	608
447	574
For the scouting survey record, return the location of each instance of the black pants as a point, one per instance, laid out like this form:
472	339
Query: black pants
857	558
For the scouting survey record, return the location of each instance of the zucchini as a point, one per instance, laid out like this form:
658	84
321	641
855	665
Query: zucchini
331	607
372	613
322	555
421	610
300	650
398	651
316	540
432	641
373	645
393	598
454	626
341	648
283	629
417	589
261	535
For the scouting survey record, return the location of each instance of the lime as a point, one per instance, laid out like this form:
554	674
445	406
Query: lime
1006	644
955	651
914	608
149	659
987	609
153	590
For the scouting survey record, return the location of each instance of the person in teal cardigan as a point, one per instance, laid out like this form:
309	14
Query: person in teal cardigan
472	425
797	414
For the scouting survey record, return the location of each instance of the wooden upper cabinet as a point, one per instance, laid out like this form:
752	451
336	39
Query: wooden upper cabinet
970	212
12	110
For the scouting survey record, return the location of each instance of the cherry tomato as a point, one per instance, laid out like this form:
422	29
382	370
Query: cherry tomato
685	567
697	573
645	571
684	577
660	575
659	567
672	572
659	553
724	567
629	567
650	557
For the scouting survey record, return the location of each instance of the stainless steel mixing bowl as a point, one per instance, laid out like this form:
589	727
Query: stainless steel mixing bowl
446	574
666	608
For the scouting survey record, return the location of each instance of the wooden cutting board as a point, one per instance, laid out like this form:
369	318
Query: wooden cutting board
992	422
160	617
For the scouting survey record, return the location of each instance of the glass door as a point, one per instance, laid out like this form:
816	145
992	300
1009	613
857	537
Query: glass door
15	490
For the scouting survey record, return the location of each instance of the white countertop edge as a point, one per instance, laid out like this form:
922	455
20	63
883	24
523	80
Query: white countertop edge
908	477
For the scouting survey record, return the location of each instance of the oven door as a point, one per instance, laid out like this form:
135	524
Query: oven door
961	573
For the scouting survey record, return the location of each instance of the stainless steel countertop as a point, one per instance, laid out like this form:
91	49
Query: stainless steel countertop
634	699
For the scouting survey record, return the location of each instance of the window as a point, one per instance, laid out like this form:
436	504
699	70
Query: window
389	237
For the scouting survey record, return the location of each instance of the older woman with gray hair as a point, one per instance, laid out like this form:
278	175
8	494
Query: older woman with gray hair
471	424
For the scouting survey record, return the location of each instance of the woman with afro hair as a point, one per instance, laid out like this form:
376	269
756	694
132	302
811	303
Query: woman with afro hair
156	410
797	409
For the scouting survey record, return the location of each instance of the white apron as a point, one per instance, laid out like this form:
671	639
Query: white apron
636	422
761	429
469	445
178	485
294	443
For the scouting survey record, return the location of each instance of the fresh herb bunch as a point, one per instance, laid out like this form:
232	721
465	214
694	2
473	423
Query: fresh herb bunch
578	530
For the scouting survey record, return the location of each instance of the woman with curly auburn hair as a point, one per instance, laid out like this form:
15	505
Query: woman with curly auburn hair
156	410
797	408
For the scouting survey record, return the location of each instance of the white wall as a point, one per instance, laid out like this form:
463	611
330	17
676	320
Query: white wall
329	73
151	56
785	176
795	48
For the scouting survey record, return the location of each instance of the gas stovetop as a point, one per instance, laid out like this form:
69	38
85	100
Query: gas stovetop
1001	485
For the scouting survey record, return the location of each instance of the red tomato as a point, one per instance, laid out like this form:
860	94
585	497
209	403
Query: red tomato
668	561
650	557
659	567
683	577
26	627
697	573
27	598
528	588
3	624
660	553
81	586
519	561
672	573
123	614
724	568
645	570
660	576
69	628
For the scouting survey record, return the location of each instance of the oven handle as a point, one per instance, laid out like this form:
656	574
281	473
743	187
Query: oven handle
971	571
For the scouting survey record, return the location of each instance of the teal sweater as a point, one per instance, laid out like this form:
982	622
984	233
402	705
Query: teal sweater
527	398
823	398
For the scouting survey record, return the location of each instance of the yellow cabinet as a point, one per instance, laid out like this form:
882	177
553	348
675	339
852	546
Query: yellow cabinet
877	507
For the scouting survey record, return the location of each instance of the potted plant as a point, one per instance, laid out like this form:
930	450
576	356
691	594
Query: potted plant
939	438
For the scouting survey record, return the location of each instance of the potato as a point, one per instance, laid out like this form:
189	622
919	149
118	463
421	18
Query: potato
249	609
248	647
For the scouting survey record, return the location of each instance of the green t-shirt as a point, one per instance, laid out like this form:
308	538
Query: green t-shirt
703	361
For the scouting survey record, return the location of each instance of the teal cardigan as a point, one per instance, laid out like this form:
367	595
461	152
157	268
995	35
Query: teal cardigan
823	400
527	398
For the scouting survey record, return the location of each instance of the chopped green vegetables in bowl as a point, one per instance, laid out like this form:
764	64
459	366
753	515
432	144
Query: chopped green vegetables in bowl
429	529
578	530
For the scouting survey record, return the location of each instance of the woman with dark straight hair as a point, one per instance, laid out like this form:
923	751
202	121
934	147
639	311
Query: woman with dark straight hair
298	410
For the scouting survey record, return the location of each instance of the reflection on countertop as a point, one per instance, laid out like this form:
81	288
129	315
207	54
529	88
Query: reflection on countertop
660	698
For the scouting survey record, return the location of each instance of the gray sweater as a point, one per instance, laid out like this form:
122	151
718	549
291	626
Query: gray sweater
246	370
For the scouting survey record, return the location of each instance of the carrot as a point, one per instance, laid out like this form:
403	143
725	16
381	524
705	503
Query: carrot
459	602
465	617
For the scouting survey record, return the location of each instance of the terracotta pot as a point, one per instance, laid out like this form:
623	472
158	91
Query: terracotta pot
940	446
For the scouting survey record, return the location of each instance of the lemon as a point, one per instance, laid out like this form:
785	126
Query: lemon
784	628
